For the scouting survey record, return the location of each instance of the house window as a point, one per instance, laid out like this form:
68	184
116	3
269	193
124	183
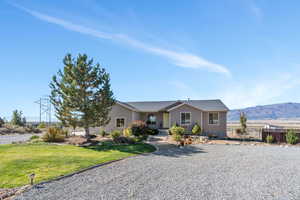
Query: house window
120	122
185	118
213	118
151	119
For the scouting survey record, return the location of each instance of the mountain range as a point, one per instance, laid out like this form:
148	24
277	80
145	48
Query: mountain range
266	112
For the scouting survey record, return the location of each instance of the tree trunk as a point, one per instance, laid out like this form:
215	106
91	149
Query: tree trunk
87	132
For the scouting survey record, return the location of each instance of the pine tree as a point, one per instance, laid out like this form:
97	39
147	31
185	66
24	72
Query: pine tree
81	93
17	118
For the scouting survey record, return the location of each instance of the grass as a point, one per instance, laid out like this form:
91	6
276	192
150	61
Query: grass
48	161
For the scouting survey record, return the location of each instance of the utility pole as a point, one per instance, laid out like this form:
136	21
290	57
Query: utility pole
45	109
40	102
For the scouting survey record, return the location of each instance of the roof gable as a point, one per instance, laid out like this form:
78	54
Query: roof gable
183	104
208	105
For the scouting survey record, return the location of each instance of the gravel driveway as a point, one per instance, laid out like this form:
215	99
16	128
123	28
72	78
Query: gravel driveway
195	172
8	139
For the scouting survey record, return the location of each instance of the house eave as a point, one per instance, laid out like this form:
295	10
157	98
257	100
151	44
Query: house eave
125	106
182	104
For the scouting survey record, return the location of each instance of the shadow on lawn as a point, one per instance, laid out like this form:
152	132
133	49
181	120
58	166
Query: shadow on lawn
132	148
169	150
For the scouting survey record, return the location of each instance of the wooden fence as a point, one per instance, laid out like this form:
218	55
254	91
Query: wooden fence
278	134
252	133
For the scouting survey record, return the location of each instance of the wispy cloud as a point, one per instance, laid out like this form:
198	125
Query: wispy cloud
256	11
181	59
242	94
260	92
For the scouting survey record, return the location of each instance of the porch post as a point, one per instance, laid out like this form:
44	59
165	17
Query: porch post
202	120
170	125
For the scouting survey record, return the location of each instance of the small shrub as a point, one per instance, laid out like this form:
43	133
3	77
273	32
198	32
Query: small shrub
177	138
54	135
177	130
270	139
34	137
102	133
31	129
115	134
291	137
42	125
243	122
138	128
196	129
238	131
127	132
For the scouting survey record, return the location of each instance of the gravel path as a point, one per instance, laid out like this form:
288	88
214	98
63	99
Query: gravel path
8	139
196	172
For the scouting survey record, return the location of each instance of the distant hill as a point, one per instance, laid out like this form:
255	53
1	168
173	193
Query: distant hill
274	111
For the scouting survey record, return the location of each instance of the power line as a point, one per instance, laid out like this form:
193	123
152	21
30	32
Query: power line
44	109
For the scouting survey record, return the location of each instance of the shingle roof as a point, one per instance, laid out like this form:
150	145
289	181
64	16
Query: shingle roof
155	106
151	106
208	105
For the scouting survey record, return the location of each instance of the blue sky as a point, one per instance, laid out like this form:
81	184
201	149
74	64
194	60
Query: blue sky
245	52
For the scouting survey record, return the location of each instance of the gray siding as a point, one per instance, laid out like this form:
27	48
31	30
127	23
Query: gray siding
195	116
120	112
136	116
216	129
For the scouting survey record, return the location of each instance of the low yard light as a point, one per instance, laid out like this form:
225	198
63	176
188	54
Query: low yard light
31	177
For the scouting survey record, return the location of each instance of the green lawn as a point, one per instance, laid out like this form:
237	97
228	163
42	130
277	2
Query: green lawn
47	161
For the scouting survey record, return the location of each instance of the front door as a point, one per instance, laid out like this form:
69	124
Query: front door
166	120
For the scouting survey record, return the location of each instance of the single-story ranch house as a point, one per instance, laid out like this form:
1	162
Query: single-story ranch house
209	114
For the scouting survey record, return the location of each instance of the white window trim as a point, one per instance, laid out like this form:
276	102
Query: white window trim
120	118
190	119
217	124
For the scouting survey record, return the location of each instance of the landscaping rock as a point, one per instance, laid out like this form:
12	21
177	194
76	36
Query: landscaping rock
203	139
219	172
6	193
76	140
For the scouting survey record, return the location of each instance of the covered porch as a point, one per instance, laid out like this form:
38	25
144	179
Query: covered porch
160	120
